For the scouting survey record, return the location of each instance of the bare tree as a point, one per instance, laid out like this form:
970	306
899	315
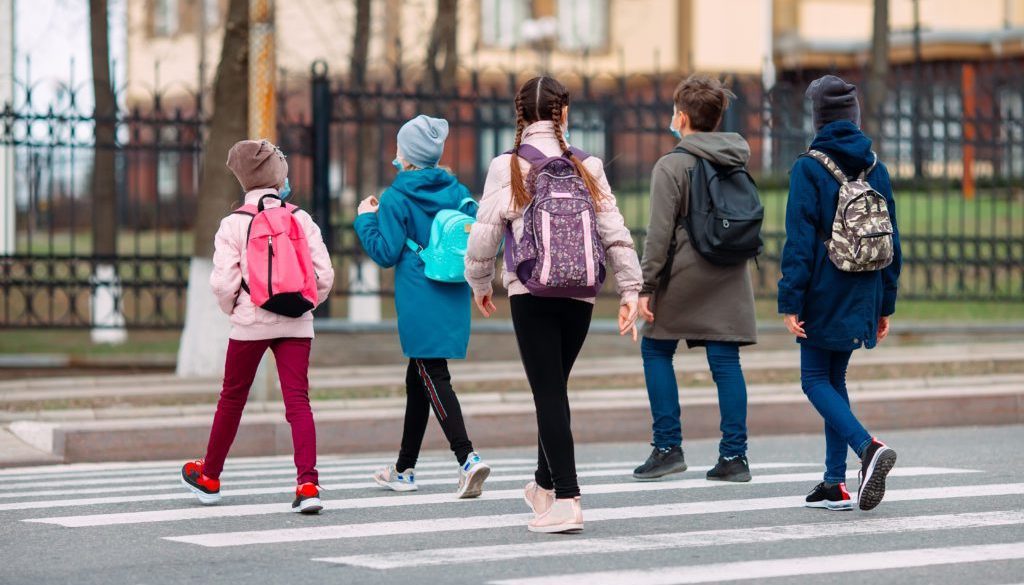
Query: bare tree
443	43
878	71
204	337
104	221
107	317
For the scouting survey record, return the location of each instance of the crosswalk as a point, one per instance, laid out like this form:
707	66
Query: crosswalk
377	532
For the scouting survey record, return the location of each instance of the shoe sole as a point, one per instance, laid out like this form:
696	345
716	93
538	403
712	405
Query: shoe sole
396	487
735	478
648	477
870	494
474	482
309	506
204	498
556	529
827	505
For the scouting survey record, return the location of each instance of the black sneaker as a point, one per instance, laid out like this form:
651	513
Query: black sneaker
733	468
661	463
829	497
877	462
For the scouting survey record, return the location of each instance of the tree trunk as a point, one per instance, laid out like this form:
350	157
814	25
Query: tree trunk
443	40
878	71
104	200
105	301
364	275
204	338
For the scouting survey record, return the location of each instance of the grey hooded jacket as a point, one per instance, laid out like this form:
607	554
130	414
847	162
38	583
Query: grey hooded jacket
696	301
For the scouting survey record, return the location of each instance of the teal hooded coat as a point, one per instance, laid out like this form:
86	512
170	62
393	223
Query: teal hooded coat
433	317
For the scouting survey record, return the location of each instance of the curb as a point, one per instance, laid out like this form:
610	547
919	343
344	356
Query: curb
616	416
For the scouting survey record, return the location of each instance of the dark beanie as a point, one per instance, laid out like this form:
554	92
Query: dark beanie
832	100
257	164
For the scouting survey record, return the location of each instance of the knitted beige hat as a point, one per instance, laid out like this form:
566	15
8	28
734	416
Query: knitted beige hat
257	164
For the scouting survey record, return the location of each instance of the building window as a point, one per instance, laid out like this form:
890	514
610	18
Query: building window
582	24
168	167
165	18
500	22
1011	132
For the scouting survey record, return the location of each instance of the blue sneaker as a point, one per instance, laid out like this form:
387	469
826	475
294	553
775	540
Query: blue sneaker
390	478
472	475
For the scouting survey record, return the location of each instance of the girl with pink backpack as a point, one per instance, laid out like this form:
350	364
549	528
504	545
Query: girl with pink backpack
556	212
270	269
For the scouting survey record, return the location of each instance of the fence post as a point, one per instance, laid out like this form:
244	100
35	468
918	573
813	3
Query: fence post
321	106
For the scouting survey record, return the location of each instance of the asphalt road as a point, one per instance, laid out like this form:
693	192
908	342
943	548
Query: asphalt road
954	514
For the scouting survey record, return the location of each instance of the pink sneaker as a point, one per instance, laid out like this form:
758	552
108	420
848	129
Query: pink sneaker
565	515
537	498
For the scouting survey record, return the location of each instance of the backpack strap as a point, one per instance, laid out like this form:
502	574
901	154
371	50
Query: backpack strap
874	163
467	201
533	155
829	164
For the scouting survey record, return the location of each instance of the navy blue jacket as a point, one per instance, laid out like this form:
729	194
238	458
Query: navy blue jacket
840	309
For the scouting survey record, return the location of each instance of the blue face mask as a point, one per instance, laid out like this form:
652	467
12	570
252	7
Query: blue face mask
286	190
674	131
397	164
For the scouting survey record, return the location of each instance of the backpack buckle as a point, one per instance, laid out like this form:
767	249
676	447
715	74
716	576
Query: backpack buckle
725	223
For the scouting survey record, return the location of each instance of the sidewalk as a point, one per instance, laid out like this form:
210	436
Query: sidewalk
901	387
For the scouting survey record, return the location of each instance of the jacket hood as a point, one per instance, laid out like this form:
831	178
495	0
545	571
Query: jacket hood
844	143
721	148
431	189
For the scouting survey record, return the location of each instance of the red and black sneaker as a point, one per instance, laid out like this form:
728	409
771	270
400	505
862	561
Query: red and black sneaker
307	499
876	463
830	497
205	488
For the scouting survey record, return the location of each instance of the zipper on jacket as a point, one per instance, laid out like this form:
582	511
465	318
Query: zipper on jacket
270	266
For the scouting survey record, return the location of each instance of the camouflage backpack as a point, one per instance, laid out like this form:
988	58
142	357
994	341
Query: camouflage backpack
861	239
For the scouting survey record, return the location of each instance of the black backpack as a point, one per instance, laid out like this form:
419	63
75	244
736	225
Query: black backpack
725	214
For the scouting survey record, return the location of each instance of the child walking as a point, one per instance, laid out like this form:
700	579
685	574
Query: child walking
555	210
262	319
840	271
687	297
433	316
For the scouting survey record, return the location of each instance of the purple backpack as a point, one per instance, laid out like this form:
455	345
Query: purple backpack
560	253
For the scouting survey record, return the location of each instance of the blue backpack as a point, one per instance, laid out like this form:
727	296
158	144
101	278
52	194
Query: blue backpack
444	258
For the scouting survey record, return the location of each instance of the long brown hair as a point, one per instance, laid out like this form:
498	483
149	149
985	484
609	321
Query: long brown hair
543	98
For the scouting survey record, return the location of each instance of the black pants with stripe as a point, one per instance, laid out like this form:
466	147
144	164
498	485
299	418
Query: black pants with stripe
428	385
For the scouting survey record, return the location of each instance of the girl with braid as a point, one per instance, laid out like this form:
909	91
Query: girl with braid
551	323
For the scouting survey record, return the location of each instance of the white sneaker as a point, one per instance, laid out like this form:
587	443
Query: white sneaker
390	478
472	475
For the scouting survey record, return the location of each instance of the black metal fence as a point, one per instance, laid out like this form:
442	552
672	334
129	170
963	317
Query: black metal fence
954	145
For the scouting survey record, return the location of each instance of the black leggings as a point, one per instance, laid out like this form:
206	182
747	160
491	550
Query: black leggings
429	385
550	333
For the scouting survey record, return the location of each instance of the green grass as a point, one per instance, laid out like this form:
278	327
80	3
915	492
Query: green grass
146	242
77	342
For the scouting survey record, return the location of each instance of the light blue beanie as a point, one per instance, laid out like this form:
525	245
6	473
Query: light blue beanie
421	141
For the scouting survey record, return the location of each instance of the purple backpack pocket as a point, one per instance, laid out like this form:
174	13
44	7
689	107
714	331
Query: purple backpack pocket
560	252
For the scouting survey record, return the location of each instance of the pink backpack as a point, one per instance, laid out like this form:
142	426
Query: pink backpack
281	277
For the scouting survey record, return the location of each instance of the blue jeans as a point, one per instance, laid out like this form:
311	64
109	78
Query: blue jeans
823	378
663	392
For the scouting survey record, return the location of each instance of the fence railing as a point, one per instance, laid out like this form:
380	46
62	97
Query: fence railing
954	145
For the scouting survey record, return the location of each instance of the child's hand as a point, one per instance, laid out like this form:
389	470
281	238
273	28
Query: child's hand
795	327
883	329
645	309
484	304
627	318
369	205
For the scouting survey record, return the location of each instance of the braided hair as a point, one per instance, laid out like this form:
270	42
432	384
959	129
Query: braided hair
544	98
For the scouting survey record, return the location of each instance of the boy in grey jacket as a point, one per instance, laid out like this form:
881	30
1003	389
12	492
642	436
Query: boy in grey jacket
685	297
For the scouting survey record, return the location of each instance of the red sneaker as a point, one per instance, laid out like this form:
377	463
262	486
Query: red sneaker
307	499
205	488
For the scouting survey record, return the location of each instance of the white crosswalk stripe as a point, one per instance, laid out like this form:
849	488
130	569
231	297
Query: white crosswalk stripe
432	499
343	531
148	500
788	567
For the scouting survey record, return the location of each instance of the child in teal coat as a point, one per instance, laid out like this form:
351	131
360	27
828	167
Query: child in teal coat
433	317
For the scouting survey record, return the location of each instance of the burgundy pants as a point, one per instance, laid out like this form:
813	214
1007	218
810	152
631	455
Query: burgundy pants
292	356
